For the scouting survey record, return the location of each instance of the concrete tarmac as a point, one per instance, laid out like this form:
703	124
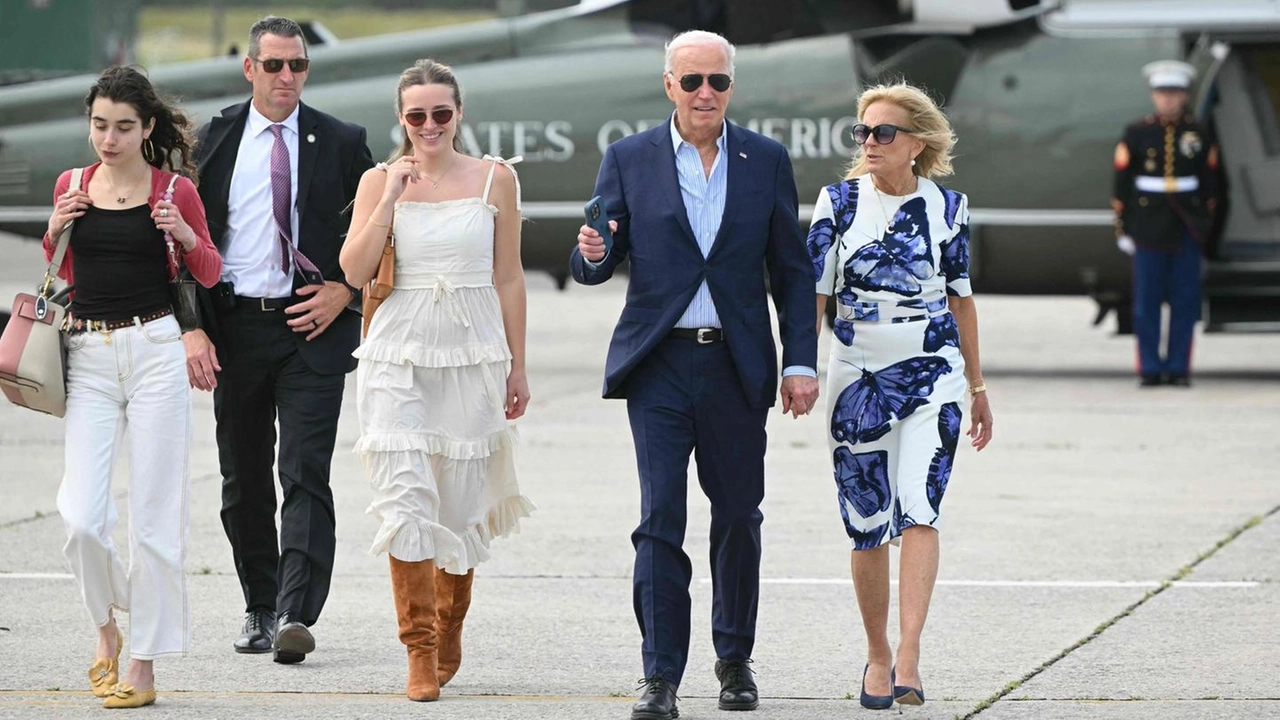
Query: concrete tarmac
1115	552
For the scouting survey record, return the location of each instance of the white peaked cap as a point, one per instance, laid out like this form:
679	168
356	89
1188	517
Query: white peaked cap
1169	74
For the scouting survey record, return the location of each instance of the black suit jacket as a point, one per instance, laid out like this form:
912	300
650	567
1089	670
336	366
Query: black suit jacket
329	171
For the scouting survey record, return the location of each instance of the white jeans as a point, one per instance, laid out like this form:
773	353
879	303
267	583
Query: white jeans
134	378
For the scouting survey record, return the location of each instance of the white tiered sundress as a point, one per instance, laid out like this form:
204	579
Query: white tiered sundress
431	384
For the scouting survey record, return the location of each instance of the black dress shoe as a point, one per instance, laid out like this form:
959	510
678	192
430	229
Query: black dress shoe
657	701
737	685
259	632
293	641
1180	381
1151	381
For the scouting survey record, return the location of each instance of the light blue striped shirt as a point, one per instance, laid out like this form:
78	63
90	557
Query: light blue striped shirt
704	198
704	203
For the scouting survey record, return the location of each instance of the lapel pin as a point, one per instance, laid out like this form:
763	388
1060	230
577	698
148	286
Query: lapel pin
311	138
742	155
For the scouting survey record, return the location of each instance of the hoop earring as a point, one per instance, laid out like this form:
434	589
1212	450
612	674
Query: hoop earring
149	151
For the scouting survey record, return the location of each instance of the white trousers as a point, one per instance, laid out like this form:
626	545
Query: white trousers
130	386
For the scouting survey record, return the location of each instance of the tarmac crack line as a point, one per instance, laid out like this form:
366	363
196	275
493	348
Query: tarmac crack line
1098	631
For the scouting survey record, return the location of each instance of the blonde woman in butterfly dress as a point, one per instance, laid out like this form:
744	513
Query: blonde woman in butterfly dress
893	247
442	370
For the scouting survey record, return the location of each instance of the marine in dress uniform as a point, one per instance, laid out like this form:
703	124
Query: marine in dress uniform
1165	197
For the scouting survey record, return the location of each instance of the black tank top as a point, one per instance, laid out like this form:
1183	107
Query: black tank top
121	265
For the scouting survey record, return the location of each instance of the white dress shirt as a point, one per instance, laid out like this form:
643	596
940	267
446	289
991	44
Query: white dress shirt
252	259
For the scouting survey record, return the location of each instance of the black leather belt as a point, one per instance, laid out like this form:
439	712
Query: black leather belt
265	304
704	336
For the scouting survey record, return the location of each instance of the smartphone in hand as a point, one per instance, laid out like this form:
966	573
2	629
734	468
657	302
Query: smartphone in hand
599	221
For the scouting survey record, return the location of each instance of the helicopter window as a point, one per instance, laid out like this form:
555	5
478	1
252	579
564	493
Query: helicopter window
742	22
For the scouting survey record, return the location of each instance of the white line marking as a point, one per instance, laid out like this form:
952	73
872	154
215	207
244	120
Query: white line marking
36	576
1091	584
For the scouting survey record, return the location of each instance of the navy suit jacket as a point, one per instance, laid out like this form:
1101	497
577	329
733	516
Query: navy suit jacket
760	229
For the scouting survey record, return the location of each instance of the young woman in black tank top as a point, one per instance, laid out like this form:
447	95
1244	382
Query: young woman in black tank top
133	230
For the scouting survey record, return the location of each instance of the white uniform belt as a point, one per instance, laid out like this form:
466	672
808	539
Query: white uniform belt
1156	184
901	311
431	280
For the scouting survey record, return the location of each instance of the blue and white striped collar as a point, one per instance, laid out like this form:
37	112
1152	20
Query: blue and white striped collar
677	140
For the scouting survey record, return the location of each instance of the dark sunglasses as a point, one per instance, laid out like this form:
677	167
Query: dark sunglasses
718	81
884	133
275	65
441	116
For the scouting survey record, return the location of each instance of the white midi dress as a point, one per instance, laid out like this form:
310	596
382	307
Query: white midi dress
431	383
895	383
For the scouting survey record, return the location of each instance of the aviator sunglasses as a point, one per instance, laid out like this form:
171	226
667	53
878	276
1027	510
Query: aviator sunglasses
691	82
275	65
884	133
441	116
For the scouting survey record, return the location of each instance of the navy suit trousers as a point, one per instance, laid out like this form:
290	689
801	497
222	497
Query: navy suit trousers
686	398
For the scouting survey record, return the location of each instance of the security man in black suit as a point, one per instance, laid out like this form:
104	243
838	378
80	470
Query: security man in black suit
1166	192
275	178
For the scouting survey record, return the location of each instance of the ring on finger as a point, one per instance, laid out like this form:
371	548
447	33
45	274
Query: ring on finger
164	212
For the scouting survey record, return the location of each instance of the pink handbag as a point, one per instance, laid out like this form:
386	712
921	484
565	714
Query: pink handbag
33	358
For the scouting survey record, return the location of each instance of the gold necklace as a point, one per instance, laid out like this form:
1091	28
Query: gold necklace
880	202
122	199
436	183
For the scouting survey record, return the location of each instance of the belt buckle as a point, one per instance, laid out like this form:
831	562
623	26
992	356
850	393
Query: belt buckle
262	302
706	336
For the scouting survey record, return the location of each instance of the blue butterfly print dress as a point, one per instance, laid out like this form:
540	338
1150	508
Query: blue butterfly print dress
895	378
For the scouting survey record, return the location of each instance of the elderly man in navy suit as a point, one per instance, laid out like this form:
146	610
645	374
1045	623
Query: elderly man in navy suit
701	207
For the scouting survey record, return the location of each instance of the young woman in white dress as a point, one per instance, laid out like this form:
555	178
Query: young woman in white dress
442	370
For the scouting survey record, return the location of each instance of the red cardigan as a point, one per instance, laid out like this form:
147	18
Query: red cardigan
204	261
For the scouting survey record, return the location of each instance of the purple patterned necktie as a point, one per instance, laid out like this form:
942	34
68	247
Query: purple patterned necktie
281	203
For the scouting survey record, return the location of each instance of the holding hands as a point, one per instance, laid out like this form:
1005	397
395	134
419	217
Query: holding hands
799	394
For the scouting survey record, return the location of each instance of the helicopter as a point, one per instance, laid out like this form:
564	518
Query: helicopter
1038	94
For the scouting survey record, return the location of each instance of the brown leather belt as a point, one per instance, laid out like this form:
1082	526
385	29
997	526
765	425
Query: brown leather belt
704	336
79	325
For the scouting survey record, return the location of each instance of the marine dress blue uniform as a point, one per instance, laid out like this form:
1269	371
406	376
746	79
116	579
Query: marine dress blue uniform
895	383
1165	195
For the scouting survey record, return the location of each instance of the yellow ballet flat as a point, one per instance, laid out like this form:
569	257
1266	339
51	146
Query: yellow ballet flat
106	671
124	696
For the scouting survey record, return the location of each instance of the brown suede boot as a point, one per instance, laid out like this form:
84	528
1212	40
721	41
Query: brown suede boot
413	584
453	598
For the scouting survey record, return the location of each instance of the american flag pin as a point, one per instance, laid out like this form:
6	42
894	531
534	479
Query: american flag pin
311	138
742	155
